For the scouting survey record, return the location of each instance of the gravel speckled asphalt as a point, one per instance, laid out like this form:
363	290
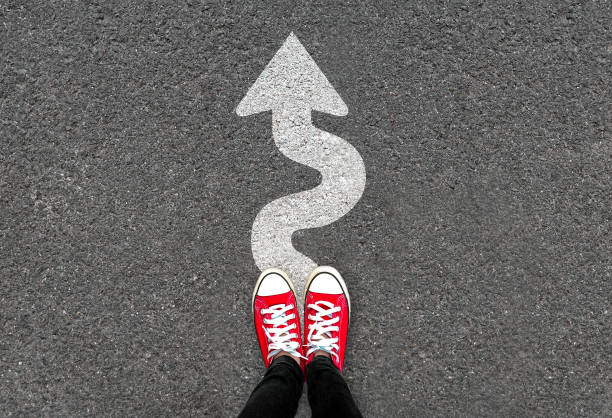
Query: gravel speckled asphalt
478	258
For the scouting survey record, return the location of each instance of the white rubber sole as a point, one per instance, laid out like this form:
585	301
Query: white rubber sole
260	279
333	272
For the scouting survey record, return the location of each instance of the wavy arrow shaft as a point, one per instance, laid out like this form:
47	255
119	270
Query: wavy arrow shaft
344	177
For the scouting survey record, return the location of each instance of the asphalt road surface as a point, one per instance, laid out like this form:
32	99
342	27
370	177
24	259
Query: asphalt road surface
478	258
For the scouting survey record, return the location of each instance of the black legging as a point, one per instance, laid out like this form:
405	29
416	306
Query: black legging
278	393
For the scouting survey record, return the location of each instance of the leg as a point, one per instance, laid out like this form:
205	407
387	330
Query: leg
328	393
277	325
326	320
279	391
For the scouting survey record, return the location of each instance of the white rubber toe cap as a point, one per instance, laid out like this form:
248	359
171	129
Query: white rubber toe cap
325	283
273	284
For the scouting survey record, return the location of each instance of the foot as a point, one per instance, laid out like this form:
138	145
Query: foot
327	313
276	316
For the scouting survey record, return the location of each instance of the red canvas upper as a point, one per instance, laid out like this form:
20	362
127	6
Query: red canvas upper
265	302
343	323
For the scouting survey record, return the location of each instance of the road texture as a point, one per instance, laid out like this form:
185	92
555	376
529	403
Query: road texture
478	259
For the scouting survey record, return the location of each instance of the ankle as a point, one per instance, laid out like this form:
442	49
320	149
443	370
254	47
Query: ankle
287	354
321	353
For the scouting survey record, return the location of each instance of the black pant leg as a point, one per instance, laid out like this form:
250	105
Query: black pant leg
328	393
278	393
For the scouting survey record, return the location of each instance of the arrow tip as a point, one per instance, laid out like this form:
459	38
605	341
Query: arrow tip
292	78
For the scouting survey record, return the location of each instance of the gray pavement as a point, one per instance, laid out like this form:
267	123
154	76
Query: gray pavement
478	258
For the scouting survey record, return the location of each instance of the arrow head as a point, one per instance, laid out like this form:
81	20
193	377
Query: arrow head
292	78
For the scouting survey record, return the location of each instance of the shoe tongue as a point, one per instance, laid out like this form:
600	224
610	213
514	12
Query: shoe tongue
327	307
326	317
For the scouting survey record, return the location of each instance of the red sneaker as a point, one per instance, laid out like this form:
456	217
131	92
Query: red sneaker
327	313
276	316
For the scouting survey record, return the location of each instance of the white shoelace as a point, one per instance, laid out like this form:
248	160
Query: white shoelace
319	337
279	336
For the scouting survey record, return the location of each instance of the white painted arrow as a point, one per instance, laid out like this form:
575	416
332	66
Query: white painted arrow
291	86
